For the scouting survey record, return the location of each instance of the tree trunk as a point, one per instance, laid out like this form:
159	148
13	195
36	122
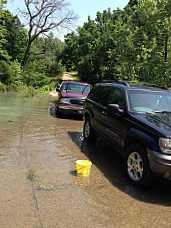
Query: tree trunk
26	54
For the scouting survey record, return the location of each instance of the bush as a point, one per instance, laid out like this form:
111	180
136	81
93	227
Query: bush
5	72
16	86
16	81
2	87
44	89
33	75
30	91
34	79
16	71
37	66
54	68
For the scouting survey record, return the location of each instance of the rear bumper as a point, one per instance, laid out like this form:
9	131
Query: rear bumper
160	163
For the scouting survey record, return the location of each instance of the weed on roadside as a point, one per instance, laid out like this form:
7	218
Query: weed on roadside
31	176
43	187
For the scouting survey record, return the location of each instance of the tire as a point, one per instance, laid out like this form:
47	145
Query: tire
88	133
137	168
58	114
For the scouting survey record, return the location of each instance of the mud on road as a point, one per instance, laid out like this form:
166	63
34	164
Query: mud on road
38	182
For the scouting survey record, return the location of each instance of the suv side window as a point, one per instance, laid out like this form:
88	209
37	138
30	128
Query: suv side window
104	95
100	94
94	93
116	97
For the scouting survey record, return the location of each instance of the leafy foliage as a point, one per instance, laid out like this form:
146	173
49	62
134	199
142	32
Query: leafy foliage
133	44
5	72
13	37
2	87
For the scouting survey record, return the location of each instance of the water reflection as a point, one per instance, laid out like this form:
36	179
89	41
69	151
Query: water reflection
52	112
14	108
82	181
110	164
32	140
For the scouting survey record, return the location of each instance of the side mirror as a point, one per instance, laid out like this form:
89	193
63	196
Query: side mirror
114	108
58	89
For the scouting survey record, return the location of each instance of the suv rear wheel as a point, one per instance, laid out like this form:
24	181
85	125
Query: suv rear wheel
88	133
137	167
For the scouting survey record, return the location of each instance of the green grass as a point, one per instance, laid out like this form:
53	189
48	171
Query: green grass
31	176
43	187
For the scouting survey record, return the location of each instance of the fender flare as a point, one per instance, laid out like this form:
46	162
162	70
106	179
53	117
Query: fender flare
143	138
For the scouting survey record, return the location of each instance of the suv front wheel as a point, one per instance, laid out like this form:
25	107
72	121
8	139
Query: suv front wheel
88	133
137	167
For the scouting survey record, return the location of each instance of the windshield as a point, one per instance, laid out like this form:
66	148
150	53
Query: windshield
144	101
76	88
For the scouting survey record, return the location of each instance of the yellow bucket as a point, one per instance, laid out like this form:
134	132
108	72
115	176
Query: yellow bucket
83	168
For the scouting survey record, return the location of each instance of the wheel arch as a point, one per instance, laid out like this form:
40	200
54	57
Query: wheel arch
135	136
133	140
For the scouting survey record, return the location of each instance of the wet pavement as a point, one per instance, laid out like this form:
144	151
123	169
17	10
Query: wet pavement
38	182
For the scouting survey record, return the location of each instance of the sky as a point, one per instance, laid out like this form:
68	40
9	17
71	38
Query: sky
83	8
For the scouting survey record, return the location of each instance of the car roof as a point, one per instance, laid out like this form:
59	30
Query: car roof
75	82
126	85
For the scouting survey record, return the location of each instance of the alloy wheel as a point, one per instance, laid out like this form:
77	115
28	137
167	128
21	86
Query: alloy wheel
135	166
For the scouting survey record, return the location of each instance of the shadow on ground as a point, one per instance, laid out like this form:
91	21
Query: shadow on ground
110	164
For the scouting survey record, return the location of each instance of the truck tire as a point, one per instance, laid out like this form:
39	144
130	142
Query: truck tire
136	165
88	133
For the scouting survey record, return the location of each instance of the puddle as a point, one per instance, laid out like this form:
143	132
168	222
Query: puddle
32	139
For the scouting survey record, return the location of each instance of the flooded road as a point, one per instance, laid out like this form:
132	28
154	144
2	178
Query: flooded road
38	182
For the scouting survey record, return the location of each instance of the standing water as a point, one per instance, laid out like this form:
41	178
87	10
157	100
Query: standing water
38	182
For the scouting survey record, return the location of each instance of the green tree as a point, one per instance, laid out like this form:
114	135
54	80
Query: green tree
151	40
5	72
13	37
133	44
43	16
4	55
48	50
2	3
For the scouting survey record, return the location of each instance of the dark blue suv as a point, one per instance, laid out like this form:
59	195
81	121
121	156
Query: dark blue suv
135	119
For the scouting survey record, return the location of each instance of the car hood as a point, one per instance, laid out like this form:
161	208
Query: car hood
160	121
75	95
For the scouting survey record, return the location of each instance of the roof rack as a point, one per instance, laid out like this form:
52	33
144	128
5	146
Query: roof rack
156	86
127	83
117	81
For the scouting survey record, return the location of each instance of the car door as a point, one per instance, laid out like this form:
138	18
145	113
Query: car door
97	99
114	124
102	108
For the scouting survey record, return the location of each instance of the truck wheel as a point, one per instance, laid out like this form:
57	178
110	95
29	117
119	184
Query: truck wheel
58	114
88	133
136	165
